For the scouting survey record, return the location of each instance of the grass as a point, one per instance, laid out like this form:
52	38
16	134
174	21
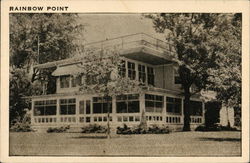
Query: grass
173	144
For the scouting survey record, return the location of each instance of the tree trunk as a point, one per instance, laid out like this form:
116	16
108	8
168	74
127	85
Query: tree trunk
186	126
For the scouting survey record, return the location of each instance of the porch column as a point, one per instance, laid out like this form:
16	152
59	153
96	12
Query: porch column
114	116
203	112
32	112
57	110
142	104
182	110
164	111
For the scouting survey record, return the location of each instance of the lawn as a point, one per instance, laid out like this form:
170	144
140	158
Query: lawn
173	144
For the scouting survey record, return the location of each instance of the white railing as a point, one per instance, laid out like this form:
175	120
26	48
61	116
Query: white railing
130	41
196	119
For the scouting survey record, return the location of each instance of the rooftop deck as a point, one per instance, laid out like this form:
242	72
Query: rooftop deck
147	48
130	41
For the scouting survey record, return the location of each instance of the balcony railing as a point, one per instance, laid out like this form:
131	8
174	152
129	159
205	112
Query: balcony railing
132	41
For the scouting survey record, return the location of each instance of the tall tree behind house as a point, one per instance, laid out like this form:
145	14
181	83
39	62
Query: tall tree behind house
208	49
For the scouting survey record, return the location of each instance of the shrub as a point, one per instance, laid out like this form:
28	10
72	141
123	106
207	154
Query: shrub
57	129
22	124
154	129
21	127
94	128
215	127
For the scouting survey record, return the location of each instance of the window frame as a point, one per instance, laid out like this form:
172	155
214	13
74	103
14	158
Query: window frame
45	104
154	101
67	104
127	100
177	102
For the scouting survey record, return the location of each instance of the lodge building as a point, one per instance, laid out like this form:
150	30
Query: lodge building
146	59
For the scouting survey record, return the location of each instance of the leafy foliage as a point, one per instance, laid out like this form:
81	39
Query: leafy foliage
58	129
20	86
38	38
207	49
94	128
57	36
22	124
154	129
101	75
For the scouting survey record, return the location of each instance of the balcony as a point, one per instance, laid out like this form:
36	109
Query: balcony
140	46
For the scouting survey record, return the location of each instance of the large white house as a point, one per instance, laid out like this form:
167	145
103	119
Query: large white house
146	59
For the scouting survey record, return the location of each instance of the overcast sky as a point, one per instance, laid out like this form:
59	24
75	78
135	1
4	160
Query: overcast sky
107	26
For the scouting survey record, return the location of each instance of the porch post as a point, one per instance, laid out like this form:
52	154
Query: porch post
182	110
164	111
114	117
203	112
57	110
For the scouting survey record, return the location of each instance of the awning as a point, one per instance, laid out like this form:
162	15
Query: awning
67	70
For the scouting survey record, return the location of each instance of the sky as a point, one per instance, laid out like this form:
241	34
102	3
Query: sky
106	26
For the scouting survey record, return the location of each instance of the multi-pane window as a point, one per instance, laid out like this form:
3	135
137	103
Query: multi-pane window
173	105
142	73
153	103
68	106
128	103
151	76
64	81
76	81
131	71
122	69
195	108
177	79
88	107
81	107
102	105
47	107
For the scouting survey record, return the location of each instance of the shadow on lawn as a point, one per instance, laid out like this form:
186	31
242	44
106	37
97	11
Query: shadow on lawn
90	137
220	139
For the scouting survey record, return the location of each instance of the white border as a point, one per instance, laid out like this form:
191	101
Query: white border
135	7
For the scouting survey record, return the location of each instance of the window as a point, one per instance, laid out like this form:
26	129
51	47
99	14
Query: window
67	106
128	103
177	79
64	81
173	105
142	73
151	80
47	107
100	105
196	108
153	103
122	69
88	107
81	107
76	81
131	70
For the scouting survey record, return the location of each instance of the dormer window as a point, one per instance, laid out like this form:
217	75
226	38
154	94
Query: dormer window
76	81
64	81
177	79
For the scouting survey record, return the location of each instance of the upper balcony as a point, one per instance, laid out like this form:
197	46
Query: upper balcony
141	47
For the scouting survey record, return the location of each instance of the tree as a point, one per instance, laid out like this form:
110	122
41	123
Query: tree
201	44
20	86
38	38
101	75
